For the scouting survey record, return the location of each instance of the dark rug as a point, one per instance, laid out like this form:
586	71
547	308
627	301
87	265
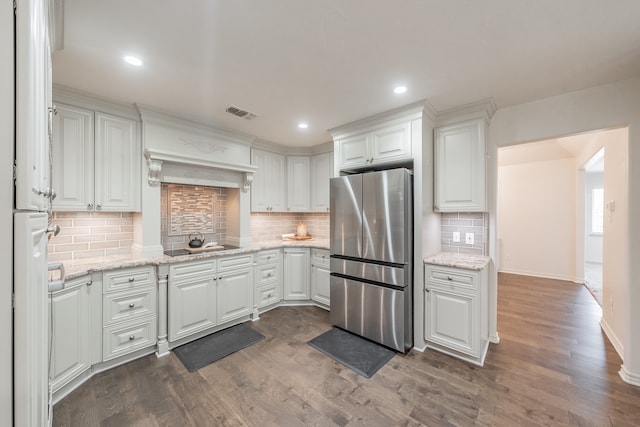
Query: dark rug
356	353
206	350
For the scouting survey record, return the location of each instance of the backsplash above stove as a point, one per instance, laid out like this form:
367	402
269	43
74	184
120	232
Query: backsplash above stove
187	209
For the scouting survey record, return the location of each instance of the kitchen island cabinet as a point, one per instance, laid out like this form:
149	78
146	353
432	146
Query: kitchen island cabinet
96	158
456	311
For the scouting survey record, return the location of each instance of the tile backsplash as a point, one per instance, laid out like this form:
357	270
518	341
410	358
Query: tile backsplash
270	226
189	209
91	235
472	222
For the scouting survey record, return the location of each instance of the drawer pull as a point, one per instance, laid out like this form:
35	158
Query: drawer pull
269	274
132	337
131	279
132	305
90	282
449	278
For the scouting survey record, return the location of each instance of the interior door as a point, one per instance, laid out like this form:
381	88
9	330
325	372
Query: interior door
30	319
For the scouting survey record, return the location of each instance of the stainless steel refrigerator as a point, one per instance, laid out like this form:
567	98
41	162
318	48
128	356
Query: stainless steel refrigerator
371	256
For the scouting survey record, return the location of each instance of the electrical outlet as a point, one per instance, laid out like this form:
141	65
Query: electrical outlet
456	237
468	238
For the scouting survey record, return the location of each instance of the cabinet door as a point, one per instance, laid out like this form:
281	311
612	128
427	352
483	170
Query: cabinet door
451	320
320	284
321	172
70	332
354	151
117	164
73	159
192	305
235	294
298	199
296	273
391	143
269	185
460	168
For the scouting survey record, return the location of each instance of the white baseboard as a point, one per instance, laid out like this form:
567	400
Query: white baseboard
615	342
538	274
629	377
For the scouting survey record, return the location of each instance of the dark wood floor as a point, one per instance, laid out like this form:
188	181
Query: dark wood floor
553	366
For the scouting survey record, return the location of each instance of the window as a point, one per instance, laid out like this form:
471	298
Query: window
597	210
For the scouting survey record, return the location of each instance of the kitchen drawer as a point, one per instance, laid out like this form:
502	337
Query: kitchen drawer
121	339
234	263
320	257
190	270
269	257
267	295
130	278
268	273
446	277
134	304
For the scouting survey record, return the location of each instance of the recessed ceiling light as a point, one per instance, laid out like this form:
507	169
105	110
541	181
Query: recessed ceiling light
303	125
400	89
133	60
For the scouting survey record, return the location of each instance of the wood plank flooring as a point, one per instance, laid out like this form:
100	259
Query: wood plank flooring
553	366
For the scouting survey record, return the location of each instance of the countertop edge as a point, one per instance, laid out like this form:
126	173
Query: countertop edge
451	259
75	269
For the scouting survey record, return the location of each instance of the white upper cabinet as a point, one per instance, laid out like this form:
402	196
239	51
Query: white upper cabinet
460	183
34	108
298	198
321	173
387	138
96	161
268	190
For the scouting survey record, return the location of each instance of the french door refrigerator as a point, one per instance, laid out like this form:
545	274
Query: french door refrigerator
371	256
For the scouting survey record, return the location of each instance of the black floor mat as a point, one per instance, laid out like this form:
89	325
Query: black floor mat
356	353
201	352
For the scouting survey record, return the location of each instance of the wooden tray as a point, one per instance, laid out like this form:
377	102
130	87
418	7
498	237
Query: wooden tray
307	237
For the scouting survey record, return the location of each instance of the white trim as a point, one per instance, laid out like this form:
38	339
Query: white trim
541	275
629	377
615	342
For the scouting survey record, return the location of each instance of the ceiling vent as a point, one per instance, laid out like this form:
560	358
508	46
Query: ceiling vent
239	112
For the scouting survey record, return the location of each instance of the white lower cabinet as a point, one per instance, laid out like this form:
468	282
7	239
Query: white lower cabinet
456	312
320	276
267	275
129	311
296	274
70	316
204	294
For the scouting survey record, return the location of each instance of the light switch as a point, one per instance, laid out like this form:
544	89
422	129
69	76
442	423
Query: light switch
456	237
468	238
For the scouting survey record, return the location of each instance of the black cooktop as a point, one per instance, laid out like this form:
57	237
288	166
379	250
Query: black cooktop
181	252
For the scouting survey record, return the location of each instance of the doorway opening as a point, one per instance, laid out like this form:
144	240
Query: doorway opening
594	197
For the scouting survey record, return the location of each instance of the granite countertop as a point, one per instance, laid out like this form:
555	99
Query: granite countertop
450	259
77	268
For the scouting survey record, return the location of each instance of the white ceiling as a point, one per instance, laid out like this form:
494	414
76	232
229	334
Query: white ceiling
330	62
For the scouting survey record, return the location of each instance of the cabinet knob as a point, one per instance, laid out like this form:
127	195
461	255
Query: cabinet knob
220	277
132	305
90	282
131	279
449	278
132	337
90	206
426	289
99	206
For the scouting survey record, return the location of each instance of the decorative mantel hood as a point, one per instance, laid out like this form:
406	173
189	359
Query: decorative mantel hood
187	152
199	169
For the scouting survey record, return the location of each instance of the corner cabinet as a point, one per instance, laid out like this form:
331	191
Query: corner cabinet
96	161
268	191
456	312
321	173
296	274
298	197
460	157
385	144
